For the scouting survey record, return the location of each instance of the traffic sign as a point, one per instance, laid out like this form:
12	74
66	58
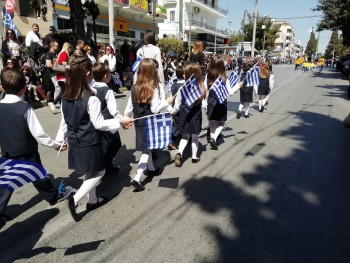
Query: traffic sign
10	6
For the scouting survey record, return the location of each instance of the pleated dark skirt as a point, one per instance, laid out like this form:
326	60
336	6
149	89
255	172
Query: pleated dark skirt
88	159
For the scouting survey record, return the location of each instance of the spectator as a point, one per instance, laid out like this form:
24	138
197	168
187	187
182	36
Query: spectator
128	78
30	85
91	43
11	49
33	36
49	74
80	47
90	53
50	37
124	51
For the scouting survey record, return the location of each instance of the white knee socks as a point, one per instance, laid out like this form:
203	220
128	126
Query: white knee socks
194	145
89	187
144	159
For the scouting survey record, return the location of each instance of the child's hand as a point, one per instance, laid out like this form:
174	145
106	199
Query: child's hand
62	147
170	99
126	122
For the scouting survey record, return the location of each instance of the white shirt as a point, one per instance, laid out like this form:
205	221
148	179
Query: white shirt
157	104
14	48
32	37
34	125
94	110
110	99
152	51
112	61
92	58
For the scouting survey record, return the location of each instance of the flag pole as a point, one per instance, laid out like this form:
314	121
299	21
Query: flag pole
144	117
60	149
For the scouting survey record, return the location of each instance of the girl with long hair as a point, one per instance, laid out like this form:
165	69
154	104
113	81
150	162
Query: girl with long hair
80	122
264	85
145	100
246	92
190	123
217	113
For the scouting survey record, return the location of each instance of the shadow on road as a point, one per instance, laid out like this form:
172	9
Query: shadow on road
303	217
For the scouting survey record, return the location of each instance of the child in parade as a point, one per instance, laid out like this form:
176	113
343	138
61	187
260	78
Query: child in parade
190	123
80	122
271	83
111	141
264	85
145	100
246	93
20	136
180	74
217	113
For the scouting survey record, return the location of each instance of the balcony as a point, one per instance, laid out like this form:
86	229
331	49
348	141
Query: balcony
208	6
200	28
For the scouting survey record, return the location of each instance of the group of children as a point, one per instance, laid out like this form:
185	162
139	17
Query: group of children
90	122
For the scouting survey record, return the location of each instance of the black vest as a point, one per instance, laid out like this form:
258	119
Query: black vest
80	130
139	109
15	136
101	92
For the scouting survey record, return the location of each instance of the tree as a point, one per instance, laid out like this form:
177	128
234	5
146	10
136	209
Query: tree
173	44
91	9
270	32
336	16
311	45
334	45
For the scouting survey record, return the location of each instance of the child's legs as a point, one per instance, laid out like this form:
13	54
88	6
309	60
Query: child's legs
246	106
145	159
183	142
194	138
89	187
219	128
212	128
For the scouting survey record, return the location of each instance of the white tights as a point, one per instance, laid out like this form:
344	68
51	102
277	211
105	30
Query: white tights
246	106
183	142
262	100
89	187
215	128
145	162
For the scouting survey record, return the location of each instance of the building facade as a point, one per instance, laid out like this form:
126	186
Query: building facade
287	44
192	20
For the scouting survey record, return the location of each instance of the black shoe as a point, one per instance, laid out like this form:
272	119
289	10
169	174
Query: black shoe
2	221
196	160
153	173
90	207
72	209
213	144
262	109
137	185
266	103
246	116
178	158
238	115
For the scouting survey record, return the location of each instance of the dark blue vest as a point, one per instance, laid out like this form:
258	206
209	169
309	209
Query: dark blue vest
139	109
80	130
15	136
101	92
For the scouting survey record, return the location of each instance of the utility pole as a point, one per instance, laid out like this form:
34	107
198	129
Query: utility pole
242	49
254	28
190	33
111	22
181	4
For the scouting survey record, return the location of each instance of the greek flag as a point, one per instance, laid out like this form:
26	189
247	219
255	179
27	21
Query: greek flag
16	173
220	90
171	53
233	79
167	87
190	91
136	64
8	21
252	77
117	80
158	131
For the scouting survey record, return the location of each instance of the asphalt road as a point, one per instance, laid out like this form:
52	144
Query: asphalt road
277	190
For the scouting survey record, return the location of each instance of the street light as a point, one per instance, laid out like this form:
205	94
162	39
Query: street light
263	27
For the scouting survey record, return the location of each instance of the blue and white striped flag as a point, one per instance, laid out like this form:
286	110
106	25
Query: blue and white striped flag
171	53
117	80
16	173
190	92
158	130
8	21
252	77
137	62
233	79
167	87
220	90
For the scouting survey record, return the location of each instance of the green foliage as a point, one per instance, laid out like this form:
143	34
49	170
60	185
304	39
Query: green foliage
336	16
311	45
162	9
91	9
270	32
174	44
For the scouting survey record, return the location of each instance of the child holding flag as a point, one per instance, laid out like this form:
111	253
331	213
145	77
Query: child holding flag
264	85
216	111
145	100
20	133
190	123
80	122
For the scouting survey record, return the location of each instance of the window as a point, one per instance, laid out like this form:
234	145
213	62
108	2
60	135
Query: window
172	16
99	29
26	9
63	24
130	34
